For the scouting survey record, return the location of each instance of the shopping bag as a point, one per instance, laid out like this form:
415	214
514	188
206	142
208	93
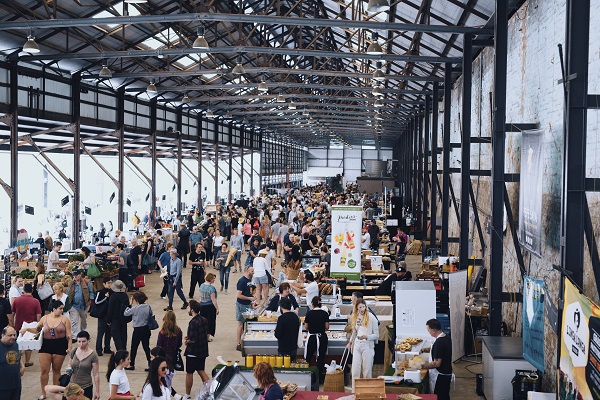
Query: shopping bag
140	281
45	291
152	324
178	364
92	272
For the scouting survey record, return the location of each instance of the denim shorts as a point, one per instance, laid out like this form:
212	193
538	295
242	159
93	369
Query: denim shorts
239	310
261	279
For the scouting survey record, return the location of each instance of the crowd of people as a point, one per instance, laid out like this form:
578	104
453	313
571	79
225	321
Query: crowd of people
243	238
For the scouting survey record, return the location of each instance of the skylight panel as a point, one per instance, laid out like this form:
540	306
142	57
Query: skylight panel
118	8
161	39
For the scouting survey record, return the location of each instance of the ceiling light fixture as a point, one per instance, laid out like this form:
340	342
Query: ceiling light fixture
375	47
376	6
378	75
280	98
185	99
377	91
239	68
378	116
151	87
200	42
306	112
263	87
105	72
378	103
229	115
209	114
30	45
292	105
245	121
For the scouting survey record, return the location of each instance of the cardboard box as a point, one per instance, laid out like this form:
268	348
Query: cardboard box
369	388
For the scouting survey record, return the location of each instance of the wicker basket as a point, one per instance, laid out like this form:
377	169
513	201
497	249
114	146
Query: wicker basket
292	274
334	382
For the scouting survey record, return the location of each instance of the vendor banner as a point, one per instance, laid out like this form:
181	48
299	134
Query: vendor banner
533	322
530	194
579	366
346	235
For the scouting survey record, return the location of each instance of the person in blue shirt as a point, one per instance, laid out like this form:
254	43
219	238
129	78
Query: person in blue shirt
164	263
175	274
195	237
80	292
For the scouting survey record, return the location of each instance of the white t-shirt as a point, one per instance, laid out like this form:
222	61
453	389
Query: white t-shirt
312	290
147	393
260	267
366	241
274	215
53	259
269	257
218	241
119	378
15	292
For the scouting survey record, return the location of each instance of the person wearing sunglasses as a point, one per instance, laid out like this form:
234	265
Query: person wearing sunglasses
155	387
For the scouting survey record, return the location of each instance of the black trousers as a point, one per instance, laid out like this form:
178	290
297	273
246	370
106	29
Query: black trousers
210	313
124	276
442	387
165	289
118	330
197	279
183	254
311	349
103	331
140	335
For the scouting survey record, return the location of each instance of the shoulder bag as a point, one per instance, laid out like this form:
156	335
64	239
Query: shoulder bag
178	364
45	291
152	323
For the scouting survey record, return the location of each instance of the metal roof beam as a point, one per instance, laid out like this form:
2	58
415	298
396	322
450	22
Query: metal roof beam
270	96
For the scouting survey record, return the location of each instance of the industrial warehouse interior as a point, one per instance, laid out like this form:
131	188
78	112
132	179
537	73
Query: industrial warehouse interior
404	194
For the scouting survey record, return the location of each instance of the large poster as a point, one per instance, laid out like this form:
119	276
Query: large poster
579	366
530	194
456	296
346	235
533	322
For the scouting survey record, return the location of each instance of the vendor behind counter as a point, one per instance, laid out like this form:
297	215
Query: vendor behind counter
401	274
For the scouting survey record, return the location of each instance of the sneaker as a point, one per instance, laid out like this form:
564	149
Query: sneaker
184	306
239	347
191	296
163	297
168	309
99	353
130	368
225	292
210	338
178	397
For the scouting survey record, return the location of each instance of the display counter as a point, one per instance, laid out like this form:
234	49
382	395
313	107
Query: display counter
259	338
379	308
400	386
305	378
300	395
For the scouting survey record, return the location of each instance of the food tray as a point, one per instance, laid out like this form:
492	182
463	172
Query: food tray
414	349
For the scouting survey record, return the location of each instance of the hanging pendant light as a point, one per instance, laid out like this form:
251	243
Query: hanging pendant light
200	42
263	87
306	113
377	91
151	87
105	72
185	99
376	6
378	75
292	105
31	46
239	68
209	114
375	47
280	98
245	121
378	103
378	116
229	115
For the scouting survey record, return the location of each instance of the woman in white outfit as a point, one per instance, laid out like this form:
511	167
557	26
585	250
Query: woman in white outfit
362	342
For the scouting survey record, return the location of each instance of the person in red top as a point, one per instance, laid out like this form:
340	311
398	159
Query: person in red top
26	309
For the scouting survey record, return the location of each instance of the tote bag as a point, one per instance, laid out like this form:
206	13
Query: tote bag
45	291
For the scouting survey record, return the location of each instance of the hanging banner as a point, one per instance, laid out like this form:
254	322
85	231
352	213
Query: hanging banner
579	366
530	192
346	234
456	298
533	322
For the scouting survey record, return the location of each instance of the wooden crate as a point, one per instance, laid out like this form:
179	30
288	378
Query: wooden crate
369	388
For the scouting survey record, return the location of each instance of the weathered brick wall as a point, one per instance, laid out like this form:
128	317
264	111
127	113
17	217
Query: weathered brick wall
533	95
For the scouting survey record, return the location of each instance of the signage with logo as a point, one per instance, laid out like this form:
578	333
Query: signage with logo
579	367
533	322
346	235
530	194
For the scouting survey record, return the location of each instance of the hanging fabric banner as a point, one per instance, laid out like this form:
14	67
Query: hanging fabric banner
530	192
346	236
579	366
533	322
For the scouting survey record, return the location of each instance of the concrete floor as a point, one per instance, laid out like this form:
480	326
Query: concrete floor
223	345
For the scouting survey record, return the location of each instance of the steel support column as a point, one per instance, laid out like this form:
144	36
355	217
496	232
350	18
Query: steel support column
419	173
13	107
426	150
465	166
252	135
75	120
230	178
243	133
216	149
573	202
434	168
153	154
260	172
199	149
121	155
179	128
413	160
446	157
498	149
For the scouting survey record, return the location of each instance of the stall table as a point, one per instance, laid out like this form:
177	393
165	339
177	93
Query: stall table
379	308
404	387
301	395
314	372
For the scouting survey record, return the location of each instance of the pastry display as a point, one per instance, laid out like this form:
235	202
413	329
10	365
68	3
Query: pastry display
407	344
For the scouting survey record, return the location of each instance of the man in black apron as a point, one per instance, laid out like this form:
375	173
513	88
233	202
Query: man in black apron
440	361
